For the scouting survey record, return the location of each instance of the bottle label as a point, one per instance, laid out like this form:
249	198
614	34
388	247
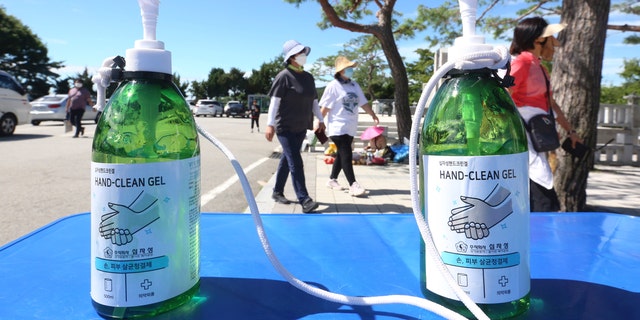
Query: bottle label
478	212
144	231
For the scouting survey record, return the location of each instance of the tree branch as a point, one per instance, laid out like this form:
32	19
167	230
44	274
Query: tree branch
336	21
624	28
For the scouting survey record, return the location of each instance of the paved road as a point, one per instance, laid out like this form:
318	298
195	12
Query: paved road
44	173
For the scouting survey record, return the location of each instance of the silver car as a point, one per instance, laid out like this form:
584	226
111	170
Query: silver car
206	107
53	108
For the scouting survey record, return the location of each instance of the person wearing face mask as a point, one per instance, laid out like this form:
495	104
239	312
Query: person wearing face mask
293	104
533	41
78	99
341	101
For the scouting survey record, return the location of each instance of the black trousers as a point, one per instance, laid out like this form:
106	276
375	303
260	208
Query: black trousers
344	158
543	199
75	116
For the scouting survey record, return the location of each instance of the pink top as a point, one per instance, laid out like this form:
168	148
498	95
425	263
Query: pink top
530	87
79	98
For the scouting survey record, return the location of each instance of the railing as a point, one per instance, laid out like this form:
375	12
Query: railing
619	125
611	115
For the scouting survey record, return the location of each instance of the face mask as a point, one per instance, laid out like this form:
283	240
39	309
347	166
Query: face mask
78	85
348	72
301	59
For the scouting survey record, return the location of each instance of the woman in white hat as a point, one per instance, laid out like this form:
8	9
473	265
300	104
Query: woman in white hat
533	41
294	102
340	101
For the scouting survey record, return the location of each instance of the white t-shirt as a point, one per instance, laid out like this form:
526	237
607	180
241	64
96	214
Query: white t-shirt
539	168
344	101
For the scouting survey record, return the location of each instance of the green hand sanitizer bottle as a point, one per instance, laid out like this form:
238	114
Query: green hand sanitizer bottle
145	189
475	191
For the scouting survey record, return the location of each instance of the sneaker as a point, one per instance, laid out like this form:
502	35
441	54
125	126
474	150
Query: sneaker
356	190
333	184
279	198
308	205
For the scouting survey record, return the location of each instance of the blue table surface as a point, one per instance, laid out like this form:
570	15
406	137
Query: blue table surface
583	265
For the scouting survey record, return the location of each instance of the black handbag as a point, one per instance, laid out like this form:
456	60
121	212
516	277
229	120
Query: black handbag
542	127
543	133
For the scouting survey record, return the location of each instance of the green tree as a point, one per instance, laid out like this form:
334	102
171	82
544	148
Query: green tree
260	80
631	84
419	72
372	70
182	86
370	73
199	90
631	7
62	85
345	14
235	83
214	85
24	56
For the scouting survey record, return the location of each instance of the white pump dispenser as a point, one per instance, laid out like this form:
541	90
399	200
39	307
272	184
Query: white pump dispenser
469	42
148	54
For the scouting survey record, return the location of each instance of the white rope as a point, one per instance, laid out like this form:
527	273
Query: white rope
102	79
317	292
490	59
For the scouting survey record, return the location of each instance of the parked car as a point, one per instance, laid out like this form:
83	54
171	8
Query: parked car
235	109
53	108
206	107
14	104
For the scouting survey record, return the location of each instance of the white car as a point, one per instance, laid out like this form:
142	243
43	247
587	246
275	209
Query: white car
14	105
206	107
54	108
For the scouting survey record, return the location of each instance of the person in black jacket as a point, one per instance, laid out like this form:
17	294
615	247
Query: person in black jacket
255	115
294	102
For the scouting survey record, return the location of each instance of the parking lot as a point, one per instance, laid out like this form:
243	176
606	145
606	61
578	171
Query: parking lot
45	173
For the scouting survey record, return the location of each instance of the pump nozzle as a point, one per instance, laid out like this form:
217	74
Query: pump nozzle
148	53
469	42
468	10
149	10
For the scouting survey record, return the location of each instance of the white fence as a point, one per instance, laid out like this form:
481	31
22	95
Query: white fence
620	126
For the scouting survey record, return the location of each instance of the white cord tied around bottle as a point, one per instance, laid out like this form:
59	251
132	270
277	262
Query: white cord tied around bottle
102	79
317	292
494	59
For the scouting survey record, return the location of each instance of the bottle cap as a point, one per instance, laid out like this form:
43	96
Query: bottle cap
148	54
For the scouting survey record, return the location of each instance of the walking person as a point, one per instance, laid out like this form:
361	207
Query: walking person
255	115
293	103
341	101
533	41
78	99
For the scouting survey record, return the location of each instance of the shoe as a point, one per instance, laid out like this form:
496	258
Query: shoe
258	129
75	136
333	184
251	130
308	205
356	190
82	131
279	198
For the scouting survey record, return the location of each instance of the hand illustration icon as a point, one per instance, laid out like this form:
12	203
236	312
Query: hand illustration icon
478	216
120	225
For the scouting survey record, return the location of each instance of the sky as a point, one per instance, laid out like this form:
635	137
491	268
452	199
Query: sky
206	34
